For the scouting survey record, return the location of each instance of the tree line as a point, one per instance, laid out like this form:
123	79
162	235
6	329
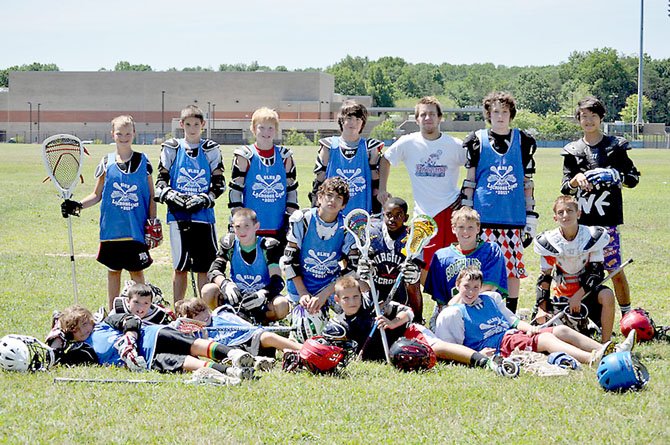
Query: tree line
541	91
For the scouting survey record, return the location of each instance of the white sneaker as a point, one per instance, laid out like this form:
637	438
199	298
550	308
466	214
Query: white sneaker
210	376
241	359
240	373
264	364
598	354
629	343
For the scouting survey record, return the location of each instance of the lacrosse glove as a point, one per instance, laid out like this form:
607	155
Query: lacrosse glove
127	347
365	270
69	207
603	177
255	300
199	202
173	197
530	230
153	233
410	273
231	293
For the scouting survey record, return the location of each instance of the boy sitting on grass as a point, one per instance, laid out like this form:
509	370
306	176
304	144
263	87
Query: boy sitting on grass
572	257
481	321
359	317
254	284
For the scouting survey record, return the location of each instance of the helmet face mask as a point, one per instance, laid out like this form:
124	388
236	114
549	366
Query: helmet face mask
23	353
307	325
412	355
621	372
320	357
639	320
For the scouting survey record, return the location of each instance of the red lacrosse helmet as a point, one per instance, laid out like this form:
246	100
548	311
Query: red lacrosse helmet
639	320
409	354
319	356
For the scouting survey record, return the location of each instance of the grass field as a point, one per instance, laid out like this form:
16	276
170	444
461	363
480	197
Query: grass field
373	404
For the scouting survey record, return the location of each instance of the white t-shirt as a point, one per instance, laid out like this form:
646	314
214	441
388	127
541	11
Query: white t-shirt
433	168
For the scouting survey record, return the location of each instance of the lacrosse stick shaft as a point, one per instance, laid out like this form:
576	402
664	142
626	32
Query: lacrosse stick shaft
250	328
378	312
74	270
78	380
367	341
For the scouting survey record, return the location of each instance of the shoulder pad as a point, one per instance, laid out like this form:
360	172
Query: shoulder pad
595	237
575	148
119	305
326	142
244	151
209	144
285	152
620	142
374	144
171	143
298	216
227	241
542	245
269	243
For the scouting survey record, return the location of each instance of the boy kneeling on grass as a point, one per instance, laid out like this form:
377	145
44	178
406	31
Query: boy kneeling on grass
358	319
481	321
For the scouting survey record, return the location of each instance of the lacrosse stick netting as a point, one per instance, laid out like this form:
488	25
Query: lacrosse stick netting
63	156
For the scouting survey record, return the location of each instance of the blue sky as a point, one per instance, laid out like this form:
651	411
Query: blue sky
80	35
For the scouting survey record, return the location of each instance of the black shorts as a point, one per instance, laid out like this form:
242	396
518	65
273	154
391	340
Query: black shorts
124	255
172	347
193	245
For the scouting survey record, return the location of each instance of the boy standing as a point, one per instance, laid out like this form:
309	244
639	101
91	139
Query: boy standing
470	250
128	223
253	286
594	169
272	187
572	257
316	244
351	157
499	186
432	160
190	178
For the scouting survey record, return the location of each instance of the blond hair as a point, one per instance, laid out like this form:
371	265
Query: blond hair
122	121
346	282
466	214
264	114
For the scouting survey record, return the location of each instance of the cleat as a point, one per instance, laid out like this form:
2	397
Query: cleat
629	343
241	359
598	354
264	364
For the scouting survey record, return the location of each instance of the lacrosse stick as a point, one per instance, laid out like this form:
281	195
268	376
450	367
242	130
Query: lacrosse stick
422	229
132	381
367	341
565	311
63	157
357	222
190	326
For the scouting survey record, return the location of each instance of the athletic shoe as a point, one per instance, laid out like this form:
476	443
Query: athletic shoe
264	364
629	343
598	354
503	367
210	376
240	373
241	359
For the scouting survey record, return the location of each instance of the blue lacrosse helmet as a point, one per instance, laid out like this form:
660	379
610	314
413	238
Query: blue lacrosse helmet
621	371
563	360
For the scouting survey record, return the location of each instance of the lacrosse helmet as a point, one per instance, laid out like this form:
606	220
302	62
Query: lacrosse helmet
23	353
307	325
412	355
320	357
639	320
621	371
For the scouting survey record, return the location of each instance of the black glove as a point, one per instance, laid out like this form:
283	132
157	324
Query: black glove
199	202
69	207
173	197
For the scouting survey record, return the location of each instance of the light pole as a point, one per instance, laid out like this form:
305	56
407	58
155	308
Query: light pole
213	115
162	114
209	113
30	112
38	122
638	122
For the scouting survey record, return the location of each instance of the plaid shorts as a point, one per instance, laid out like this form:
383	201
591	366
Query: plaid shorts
510	243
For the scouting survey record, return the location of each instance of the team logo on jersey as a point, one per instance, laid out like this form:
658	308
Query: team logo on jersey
501	180
354	179
268	188
388	267
454	268
124	196
321	264
248	283
589	202
493	326
429	166
192	180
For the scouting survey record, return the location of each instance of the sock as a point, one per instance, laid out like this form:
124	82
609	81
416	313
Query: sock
512	303
625	308
217	351
479	360
218	366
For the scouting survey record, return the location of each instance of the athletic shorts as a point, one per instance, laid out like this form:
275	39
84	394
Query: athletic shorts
193	245
592	304
171	350
521	340
445	237
510	243
124	255
612	250
421	334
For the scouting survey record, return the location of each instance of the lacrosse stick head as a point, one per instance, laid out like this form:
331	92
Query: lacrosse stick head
23	353
188	326
63	155
408	354
621	372
357	222
422	229
639	320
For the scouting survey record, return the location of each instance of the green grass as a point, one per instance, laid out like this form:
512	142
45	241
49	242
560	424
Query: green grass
374	404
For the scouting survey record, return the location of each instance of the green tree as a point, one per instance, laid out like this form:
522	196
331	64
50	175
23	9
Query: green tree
535	93
126	66
629	112
384	131
348	81
293	137
35	66
554	126
379	87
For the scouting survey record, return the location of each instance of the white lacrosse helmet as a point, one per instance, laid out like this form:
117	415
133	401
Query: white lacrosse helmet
23	353
307	325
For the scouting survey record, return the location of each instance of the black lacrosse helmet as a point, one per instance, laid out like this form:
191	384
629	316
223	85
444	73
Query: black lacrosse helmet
412	355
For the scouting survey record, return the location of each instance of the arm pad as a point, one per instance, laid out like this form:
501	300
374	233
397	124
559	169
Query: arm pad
592	276
290	262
